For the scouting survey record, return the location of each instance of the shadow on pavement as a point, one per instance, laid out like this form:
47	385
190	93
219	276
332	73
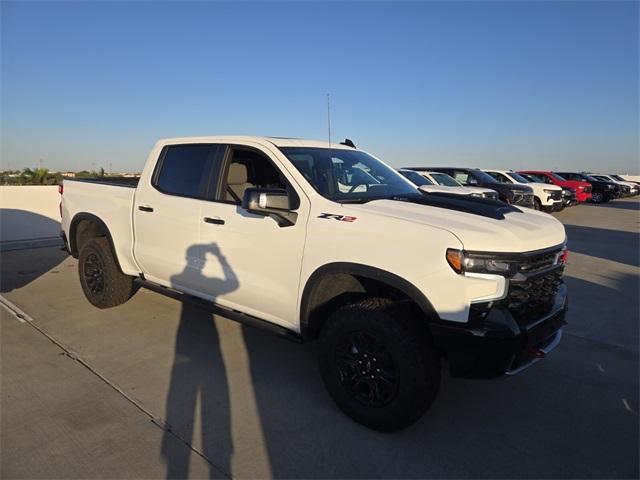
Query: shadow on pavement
615	245
618	204
198	375
572	415
21	267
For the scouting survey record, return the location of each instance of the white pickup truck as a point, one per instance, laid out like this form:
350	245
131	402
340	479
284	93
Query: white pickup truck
319	241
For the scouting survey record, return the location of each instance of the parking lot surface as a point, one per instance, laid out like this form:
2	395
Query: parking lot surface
156	389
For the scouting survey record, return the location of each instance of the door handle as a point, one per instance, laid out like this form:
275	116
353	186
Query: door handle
215	221
145	208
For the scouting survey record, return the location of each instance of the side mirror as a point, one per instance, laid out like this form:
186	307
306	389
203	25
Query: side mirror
472	181
270	202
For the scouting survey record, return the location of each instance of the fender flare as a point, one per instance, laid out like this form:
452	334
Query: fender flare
79	217
363	271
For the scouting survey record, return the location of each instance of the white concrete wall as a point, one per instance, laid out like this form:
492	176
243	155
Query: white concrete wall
29	212
631	178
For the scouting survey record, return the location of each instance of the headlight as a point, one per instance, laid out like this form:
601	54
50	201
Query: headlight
548	190
476	195
461	262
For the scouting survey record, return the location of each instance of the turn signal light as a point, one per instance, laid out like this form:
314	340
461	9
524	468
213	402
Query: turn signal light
454	258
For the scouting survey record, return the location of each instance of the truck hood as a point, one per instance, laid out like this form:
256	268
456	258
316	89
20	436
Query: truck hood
547	186
521	230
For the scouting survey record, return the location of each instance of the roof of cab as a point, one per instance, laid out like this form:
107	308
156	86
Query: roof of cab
277	141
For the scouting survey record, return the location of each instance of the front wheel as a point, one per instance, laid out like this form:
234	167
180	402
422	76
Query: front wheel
597	197
537	205
378	365
102	282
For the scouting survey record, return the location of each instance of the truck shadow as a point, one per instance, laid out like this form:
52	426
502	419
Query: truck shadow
563	410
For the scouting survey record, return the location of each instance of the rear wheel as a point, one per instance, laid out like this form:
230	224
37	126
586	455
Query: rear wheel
102	282
378	365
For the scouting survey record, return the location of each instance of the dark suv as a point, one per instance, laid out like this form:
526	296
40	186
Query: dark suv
601	191
515	194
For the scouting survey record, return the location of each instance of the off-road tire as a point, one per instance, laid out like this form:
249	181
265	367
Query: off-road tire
102	282
403	335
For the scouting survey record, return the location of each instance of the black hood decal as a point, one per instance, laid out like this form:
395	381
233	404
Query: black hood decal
462	203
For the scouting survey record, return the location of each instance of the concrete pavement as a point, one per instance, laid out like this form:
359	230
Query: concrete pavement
157	389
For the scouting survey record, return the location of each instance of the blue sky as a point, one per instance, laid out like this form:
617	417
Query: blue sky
493	84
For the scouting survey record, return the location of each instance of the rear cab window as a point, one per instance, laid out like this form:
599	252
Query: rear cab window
187	170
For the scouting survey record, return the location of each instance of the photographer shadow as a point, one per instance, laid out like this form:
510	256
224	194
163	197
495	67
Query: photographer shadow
198	375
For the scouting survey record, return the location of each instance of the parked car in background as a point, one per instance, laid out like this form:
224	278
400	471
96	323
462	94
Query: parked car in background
583	189
569	198
288	238
546	197
441	182
629	189
519	195
601	191
622	179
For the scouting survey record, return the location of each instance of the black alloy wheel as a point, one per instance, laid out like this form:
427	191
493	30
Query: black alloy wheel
366	369
94	274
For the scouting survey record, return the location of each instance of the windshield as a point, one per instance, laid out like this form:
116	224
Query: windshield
444	179
482	177
589	178
518	178
558	177
618	177
533	178
415	177
348	175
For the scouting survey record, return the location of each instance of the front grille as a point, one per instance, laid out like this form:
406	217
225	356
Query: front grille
520	198
538	262
556	195
532	298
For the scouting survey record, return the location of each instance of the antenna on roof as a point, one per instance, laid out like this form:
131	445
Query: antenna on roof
348	142
329	117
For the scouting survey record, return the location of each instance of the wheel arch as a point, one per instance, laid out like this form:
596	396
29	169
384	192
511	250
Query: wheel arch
334	284
85	226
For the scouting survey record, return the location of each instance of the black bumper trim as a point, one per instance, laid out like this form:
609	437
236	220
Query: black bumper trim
499	344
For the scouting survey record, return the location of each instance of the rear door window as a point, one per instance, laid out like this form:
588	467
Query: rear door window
186	170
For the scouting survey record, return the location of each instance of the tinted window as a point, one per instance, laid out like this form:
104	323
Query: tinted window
184	170
415	177
444	179
499	177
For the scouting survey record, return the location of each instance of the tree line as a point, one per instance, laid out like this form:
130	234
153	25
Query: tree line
41	176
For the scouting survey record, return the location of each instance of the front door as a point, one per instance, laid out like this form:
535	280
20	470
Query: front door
255	264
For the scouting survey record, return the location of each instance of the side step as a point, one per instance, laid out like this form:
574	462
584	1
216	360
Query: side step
222	311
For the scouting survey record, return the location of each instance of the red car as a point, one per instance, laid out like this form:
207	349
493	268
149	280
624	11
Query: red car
583	189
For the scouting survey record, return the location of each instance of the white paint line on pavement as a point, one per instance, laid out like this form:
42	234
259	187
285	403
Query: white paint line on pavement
15	311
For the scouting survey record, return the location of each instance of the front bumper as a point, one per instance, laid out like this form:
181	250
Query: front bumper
583	196
500	344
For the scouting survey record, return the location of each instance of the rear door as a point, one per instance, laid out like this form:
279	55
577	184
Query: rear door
167	217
